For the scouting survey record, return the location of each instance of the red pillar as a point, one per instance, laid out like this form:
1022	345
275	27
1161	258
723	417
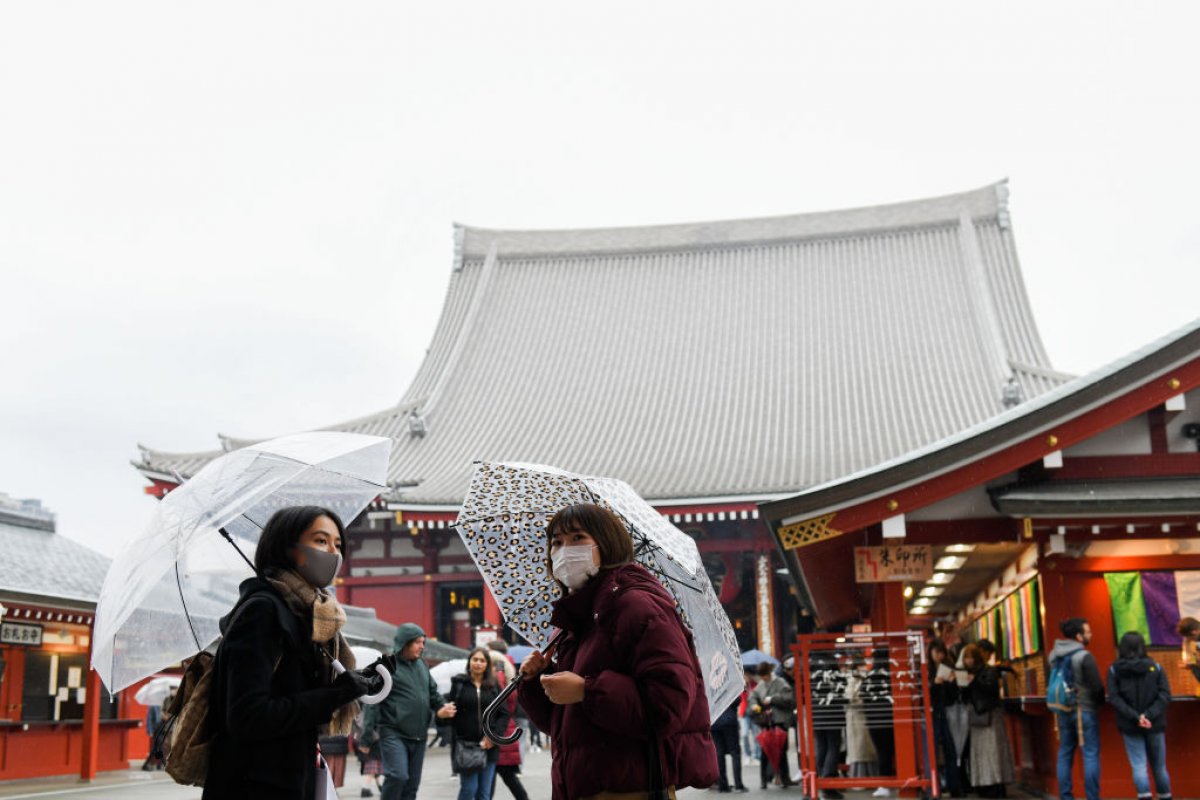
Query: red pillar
91	726
887	608
491	610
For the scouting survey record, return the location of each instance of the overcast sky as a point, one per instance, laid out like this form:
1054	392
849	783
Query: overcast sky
236	217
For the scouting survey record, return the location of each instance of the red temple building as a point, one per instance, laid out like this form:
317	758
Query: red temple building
48	590
713	366
1082	502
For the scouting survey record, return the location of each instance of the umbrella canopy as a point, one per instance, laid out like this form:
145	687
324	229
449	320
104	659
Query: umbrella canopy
518	652
503	524
443	672
156	691
364	654
752	658
165	592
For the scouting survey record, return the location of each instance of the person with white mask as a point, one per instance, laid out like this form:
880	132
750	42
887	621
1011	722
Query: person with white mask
623	700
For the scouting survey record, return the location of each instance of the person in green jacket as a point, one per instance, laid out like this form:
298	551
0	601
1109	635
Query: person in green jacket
402	719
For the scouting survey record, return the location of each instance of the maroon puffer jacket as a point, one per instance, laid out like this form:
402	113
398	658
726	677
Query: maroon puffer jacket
623	633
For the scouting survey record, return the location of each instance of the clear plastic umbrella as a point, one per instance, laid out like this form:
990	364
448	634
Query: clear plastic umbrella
445	671
503	522
166	591
156	691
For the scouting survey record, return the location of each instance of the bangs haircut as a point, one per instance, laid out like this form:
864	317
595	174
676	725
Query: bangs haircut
978	660
612	537
284	529
489	674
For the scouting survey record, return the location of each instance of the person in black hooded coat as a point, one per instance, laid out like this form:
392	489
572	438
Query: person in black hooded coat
273	685
1138	691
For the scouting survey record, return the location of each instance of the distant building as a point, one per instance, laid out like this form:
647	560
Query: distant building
48	590
711	365
1083	502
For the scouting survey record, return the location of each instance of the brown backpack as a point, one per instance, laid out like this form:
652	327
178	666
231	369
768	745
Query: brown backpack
184	739
187	735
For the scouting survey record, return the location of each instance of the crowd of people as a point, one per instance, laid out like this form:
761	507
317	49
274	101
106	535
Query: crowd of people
965	683
624	681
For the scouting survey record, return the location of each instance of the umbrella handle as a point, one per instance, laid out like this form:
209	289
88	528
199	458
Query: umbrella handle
491	710
494	706
378	697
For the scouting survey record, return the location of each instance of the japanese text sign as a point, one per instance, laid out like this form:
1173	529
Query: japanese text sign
20	633
902	562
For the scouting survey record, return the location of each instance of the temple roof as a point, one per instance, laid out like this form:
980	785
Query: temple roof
40	565
746	358
1054	408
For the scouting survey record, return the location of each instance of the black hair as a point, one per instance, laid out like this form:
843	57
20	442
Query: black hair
1132	645
1073	627
938	646
986	646
489	673
611	535
283	530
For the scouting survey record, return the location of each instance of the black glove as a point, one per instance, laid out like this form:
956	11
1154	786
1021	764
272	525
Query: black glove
353	684
388	661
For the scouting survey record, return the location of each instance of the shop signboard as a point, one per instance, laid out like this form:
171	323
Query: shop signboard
900	562
21	633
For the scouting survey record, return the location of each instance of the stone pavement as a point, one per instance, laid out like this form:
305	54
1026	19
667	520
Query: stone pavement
437	784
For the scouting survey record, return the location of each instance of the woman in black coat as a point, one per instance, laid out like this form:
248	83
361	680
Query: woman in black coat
273	685
472	692
1138	691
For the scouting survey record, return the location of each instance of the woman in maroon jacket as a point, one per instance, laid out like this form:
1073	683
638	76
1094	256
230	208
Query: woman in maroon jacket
626	670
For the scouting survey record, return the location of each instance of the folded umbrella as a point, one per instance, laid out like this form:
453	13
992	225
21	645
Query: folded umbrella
958	721
773	741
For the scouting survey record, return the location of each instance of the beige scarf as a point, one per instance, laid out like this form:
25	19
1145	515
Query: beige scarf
327	617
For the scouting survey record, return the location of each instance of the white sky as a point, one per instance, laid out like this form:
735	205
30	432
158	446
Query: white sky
236	217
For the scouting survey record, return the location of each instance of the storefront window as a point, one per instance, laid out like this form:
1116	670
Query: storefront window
54	688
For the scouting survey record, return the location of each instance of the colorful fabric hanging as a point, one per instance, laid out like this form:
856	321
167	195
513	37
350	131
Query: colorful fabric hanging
1159	592
1187	589
1152	603
1013	624
1128	603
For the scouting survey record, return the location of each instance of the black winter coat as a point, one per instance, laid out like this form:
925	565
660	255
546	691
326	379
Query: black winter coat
983	693
270	695
1136	687
470	704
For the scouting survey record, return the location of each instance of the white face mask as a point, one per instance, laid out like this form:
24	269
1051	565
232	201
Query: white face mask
573	565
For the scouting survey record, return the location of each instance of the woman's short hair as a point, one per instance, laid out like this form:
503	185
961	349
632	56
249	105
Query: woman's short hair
978	660
1188	626
765	669
1132	645
489	674
611	535
283	530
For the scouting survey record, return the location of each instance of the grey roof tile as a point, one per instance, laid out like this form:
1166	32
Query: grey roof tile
45	564
740	358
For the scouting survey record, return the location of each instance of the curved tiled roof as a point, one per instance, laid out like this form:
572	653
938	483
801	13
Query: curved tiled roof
42	565
742	358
